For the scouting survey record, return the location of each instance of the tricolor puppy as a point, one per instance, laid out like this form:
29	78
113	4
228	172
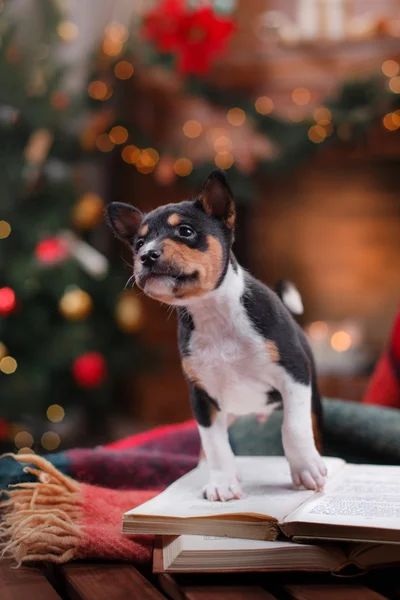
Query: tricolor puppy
242	352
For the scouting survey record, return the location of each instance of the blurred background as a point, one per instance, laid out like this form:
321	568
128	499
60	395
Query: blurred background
136	101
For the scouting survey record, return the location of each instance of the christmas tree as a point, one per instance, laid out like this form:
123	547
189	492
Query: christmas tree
68	330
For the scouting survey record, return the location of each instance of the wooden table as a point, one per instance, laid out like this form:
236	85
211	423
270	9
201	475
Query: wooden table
114	581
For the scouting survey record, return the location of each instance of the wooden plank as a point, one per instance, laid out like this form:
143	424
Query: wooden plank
331	592
107	582
25	582
181	589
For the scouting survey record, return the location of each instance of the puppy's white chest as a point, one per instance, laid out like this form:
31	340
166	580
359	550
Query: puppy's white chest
232	363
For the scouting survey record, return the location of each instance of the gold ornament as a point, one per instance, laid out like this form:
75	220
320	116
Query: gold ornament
76	305
129	312
88	212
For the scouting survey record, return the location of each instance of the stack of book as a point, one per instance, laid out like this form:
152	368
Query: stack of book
352	526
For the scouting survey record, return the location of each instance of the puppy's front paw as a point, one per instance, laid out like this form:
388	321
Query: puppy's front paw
222	488
309	472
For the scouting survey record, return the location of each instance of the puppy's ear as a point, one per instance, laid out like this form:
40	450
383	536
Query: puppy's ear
216	198
124	220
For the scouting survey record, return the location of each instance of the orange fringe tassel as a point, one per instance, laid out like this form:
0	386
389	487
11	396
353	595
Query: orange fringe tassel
41	519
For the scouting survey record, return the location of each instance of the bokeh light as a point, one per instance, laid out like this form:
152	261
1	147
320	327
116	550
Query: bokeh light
223	143
149	157
341	341
390	68
183	167
224	160
5	229
23	438
236	116
322	115
68	31
8	365
394	85
264	105
318	330
98	90
104	144
123	69
130	154
316	134
50	440
118	134
55	413
301	96
391	121
8	300
192	129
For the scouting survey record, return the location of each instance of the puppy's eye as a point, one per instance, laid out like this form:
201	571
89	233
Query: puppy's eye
139	244
186	231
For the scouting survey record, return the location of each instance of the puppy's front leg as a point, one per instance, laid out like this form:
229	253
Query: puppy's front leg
213	427
306	465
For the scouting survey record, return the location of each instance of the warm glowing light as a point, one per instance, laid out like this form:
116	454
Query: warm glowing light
192	129
88	211
144	169
8	365
394	85
23	438
223	143
112	48
3	350
123	69
59	100
104	144
328	129
322	115
318	330
8	300
68	31
316	134
341	341
116	32
25	450
98	90
55	413
5	230
118	134
183	167
264	105
130	154
149	157
301	96
390	68
236	116
224	160
50	440
391	122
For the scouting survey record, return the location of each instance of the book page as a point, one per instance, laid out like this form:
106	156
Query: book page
224	544
360	495
265	479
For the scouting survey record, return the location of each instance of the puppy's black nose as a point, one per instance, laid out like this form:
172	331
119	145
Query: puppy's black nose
148	259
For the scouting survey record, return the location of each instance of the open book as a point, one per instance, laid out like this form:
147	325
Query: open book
191	553
359	503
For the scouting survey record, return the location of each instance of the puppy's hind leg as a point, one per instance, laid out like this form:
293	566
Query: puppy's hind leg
306	465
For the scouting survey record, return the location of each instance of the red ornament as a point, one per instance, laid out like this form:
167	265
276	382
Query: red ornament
195	36
8	301
202	36
51	251
89	370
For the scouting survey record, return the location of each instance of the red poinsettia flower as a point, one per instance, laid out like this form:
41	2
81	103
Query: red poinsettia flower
201	36
162	23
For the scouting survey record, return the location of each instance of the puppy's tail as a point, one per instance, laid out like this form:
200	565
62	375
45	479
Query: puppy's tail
290	296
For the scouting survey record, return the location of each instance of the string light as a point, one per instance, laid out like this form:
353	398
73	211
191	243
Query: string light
118	134
183	167
130	154
117	32
301	96
390	68
318	330
23	438
88	211
50	440
55	413
112	48
149	157
68	31
391	121
123	69
224	160
341	341
144	169
264	105
394	85
322	115
98	90
104	144
236	116
316	134
192	129
8	365
5	229
223	143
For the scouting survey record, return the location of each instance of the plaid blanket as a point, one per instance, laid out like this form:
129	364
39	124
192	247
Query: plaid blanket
69	505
